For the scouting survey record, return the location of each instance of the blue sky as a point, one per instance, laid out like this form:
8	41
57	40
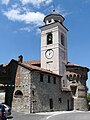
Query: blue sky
19	28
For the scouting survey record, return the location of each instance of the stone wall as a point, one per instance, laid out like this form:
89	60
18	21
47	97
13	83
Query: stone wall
21	102
32	95
80	104
44	91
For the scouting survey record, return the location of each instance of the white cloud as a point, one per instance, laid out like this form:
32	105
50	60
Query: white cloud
5	2
48	1
13	15
36	2
30	28
27	29
38	31
62	11
28	17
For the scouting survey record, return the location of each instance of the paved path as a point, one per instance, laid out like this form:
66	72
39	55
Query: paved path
70	116
21	116
67	115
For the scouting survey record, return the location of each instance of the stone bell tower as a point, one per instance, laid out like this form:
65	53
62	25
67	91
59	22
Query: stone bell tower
54	43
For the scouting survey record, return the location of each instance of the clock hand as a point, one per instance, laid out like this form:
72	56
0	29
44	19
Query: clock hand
50	53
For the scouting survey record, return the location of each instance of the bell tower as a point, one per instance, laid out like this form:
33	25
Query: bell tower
54	43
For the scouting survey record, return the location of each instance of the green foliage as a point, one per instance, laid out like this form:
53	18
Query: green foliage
88	96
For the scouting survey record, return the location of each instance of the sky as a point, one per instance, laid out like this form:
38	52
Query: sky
20	34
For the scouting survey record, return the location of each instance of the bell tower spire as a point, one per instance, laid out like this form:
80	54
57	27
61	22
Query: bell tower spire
54	43
53	17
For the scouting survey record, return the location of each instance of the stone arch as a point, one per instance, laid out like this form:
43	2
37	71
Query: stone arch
49	38
18	93
74	76
70	77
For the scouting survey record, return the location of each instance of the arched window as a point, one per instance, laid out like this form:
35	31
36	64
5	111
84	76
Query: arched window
18	93
62	39
49	38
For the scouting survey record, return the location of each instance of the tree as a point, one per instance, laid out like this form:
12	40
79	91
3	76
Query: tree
88	96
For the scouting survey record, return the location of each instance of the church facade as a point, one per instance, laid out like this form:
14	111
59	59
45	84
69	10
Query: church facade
49	84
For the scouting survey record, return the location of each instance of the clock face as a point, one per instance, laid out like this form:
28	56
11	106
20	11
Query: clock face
49	53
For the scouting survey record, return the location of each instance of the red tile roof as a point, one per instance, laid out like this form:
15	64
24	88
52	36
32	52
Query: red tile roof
33	65
75	65
33	62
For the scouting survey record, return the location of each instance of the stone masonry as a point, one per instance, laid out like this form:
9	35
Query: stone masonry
36	95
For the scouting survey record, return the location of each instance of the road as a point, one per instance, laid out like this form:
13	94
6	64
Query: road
21	116
70	116
54	116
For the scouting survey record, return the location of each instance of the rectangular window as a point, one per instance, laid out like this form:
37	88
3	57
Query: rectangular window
33	92
54	80
63	83
60	100
41	77
51	104
48	79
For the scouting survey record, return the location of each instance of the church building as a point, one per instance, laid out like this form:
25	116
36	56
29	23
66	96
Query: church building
49	84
